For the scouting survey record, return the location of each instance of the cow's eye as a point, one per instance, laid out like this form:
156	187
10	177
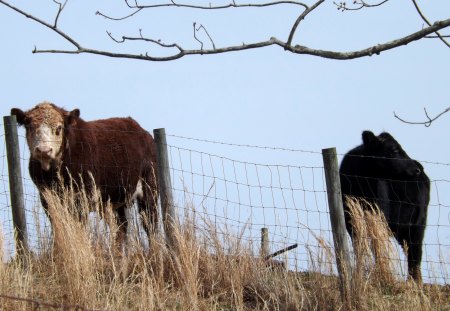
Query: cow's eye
58	129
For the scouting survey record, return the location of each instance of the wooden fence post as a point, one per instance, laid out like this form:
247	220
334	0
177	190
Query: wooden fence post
342	252
165	187
15	185
264	252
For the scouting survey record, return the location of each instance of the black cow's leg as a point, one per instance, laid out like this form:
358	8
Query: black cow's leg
414	244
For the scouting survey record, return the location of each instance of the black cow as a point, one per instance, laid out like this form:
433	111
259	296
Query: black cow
381	172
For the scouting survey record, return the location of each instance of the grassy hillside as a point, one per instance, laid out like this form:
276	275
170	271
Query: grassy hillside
84	266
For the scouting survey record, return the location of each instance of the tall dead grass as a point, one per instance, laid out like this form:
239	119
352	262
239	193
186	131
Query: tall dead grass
374	252
206	273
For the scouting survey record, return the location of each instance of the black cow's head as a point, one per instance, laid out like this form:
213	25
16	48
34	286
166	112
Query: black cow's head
387	157
45	126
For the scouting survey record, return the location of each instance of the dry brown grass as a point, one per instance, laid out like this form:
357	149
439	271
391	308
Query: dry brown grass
84	267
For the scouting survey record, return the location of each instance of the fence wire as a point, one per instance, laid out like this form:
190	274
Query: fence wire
289	199
236	190
242	197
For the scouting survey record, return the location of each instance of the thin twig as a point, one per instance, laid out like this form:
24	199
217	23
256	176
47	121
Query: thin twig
426	123
52	27
428	23
342	6
197	39
300	18
118	18
434	37
142	38
207	33
61	7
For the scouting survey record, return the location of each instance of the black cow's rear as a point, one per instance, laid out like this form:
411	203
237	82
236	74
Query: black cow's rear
381	172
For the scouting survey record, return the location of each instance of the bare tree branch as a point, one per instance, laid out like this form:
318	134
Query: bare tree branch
52	27
300	18
118	18
61	7
142	38
426	123
182	52
206	31
138	8
428	23
359	4
216	7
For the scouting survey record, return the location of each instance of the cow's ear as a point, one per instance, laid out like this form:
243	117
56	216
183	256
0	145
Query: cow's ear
368	138
71	117
20	116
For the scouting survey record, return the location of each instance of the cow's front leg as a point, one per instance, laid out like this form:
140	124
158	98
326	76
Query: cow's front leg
122	226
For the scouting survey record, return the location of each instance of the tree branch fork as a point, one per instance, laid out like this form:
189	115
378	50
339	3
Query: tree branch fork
175	51
427	122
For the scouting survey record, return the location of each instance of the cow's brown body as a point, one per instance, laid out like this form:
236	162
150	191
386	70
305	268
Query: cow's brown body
116	153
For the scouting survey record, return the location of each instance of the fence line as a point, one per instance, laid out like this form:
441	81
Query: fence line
242	195
243	145
201	173
279	148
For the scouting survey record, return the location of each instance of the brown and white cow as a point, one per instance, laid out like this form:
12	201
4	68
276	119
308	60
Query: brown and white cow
116	153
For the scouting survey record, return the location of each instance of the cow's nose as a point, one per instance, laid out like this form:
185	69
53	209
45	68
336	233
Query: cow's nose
44	150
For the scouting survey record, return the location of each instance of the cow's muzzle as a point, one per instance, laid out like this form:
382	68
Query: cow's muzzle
43	151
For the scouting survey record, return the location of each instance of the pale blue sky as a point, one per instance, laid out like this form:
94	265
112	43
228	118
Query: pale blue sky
262	97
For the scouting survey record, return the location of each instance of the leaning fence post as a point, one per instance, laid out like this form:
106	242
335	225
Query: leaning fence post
337	219
15	185
165	186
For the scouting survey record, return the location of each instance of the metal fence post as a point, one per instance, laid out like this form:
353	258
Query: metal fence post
15	185
165	186
333	183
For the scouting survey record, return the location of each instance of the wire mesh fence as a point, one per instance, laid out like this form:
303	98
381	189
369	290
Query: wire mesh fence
240	196
237	190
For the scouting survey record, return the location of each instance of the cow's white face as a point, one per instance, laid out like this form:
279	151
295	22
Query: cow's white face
44	132
45	142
